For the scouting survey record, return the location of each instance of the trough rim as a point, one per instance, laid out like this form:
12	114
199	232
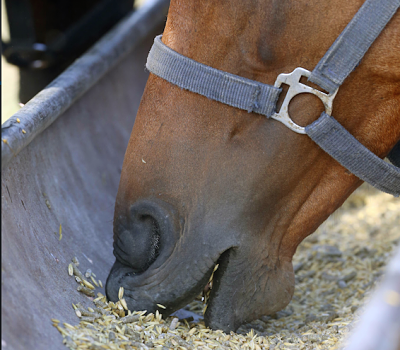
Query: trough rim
50	103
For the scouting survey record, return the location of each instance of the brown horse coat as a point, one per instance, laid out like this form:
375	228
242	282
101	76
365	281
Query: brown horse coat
205	183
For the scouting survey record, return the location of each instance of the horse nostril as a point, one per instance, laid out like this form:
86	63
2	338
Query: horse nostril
148	233
139	245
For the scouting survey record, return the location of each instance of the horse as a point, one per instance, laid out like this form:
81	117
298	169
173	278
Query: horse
205	184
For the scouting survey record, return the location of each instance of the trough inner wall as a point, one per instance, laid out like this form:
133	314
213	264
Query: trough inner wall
68	175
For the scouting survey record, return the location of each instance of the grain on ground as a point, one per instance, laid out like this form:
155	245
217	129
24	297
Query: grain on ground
336	269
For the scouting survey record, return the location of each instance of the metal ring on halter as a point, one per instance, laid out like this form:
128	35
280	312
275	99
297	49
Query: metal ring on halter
295	87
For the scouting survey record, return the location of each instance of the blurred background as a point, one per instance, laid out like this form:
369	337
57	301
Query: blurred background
41	38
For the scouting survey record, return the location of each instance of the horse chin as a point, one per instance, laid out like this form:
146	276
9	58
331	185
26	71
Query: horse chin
238	298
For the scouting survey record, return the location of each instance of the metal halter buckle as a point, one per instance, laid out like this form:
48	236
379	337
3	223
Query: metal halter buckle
295	88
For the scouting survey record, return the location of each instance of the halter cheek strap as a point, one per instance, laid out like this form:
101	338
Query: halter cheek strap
252	96
335	140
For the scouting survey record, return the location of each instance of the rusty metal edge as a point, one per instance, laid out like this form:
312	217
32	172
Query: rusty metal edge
43	109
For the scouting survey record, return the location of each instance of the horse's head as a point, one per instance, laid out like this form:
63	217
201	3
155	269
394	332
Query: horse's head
204	183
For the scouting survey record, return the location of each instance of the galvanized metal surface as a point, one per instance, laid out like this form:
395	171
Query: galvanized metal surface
68	175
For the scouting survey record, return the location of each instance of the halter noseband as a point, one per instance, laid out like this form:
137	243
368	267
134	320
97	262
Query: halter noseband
338	62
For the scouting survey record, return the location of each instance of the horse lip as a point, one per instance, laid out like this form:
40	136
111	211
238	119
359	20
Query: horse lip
222	262
139	292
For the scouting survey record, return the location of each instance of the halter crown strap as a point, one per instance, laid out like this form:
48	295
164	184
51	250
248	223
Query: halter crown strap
339	61
352	44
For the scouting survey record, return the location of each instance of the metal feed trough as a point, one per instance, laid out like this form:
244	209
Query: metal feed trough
64	170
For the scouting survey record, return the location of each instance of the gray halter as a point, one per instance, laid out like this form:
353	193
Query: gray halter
252	96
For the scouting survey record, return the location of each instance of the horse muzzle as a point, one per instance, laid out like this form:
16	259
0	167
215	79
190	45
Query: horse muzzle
142	238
